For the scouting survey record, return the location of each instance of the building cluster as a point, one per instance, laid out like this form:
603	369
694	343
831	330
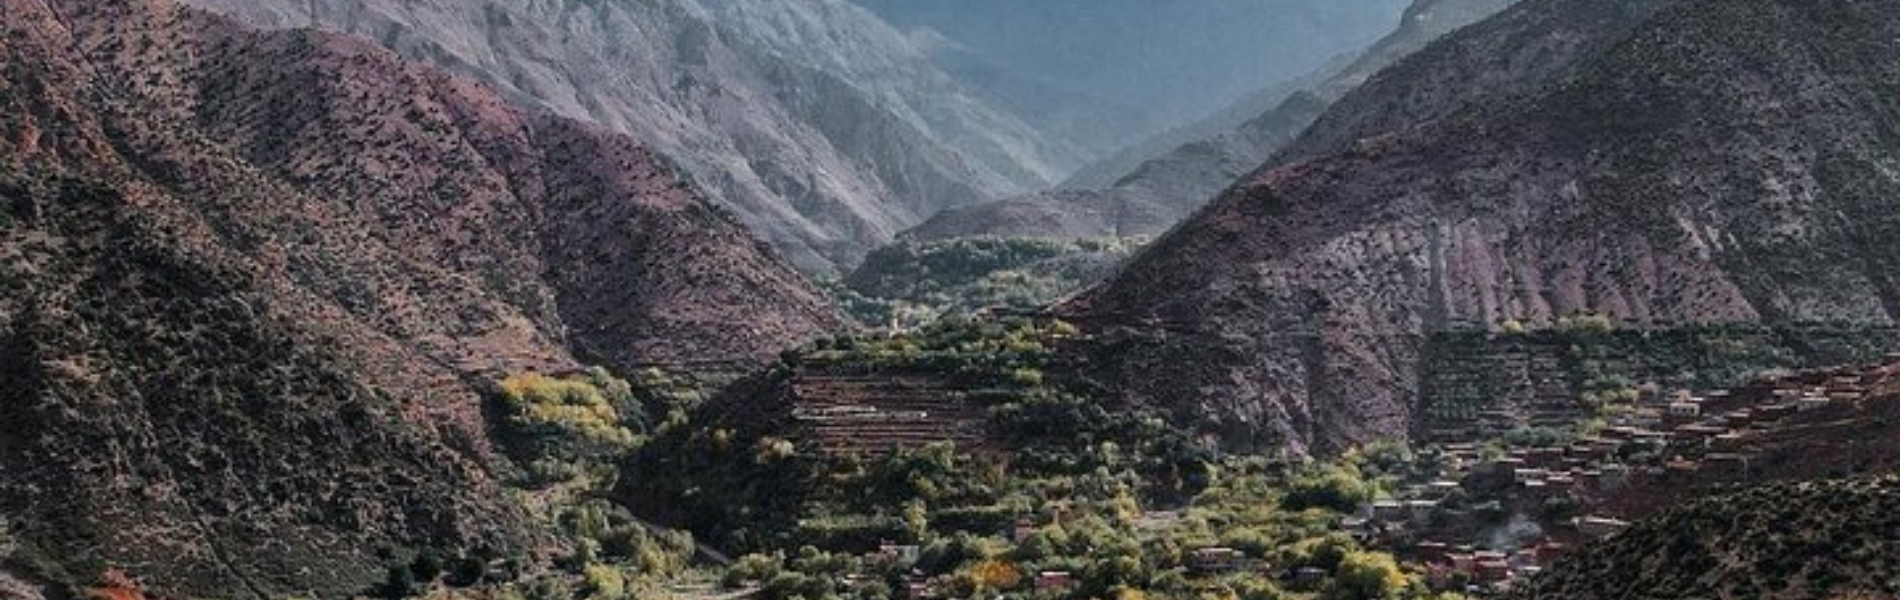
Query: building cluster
1487	518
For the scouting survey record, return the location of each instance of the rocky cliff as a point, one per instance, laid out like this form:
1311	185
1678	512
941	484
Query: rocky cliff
253	283
826	130
1697	162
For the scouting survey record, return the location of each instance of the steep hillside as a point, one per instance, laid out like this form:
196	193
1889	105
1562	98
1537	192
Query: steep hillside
1717	162
1832	539
823	128
1156	188
254	282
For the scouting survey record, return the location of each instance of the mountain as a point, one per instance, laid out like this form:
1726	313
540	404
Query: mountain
254	285
1651	161
1150	187
825	129
1132	67
1830	539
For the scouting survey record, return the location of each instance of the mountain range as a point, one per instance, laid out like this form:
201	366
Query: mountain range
1149	187
823	128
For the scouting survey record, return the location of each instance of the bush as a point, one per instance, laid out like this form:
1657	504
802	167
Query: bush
1336	488
576	419
1368	576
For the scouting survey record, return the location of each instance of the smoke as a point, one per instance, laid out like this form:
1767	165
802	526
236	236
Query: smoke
1513	534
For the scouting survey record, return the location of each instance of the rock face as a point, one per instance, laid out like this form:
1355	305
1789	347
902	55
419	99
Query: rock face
1681	162
1157	184
250	284
826	130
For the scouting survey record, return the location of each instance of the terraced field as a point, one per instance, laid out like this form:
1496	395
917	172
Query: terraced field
873	415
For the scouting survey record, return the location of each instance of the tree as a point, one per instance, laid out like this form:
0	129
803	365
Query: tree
995	575
1337	488
1368	576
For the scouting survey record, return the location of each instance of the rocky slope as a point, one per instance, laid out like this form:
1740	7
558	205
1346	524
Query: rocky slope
823	128
1698	161
254	282
1832	539
1157	184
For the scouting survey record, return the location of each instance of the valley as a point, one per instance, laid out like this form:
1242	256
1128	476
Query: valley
862	300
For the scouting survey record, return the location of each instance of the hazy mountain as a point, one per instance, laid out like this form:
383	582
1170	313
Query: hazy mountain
825	129
1647	159
252	283
1173	61
1148	188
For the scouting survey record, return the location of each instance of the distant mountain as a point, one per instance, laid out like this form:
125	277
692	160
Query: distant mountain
1148	188
1170	61
1688	161
1831	539
252	286
825	129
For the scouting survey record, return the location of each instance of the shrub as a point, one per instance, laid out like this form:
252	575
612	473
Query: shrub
1336	488
995	575
1367	576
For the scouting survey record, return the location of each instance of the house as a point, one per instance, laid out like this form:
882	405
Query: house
1024	528
1527	474
916	589
1443	488
1493	571
896	553
1775	412
1217	560
1308	576
1811	402
1054	581
1600	527
1683	412
1387	510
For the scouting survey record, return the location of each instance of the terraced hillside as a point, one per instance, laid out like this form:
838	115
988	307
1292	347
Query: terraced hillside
872	415
1477	385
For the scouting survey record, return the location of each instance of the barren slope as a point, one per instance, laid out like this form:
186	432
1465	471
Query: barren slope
253	283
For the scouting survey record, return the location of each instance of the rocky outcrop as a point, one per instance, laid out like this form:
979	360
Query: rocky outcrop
1707	162
1154	189
252	283
824	129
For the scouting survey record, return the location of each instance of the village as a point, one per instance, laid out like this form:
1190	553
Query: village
1521	458
1488	518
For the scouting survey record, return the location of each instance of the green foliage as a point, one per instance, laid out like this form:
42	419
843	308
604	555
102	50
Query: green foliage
1339	488
1586	324
908	284
576	419
1368	576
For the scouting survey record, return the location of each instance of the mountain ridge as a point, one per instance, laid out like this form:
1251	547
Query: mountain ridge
824	129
